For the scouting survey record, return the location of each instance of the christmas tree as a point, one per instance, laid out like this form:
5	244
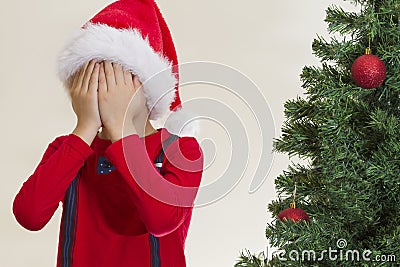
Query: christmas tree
346	130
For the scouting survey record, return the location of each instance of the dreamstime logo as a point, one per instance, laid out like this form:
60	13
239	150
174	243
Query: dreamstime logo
340	253
341	243
235	113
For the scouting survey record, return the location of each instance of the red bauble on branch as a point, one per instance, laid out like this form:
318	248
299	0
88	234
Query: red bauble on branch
368	71
294	214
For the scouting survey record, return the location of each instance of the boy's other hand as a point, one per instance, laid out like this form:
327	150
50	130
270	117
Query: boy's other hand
119	97
84	98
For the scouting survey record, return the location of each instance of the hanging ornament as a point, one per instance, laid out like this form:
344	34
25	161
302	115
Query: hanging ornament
293	213
368	71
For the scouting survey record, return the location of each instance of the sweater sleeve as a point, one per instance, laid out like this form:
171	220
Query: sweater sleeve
41	193
163	200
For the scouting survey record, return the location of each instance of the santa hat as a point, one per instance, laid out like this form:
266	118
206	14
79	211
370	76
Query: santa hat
133	33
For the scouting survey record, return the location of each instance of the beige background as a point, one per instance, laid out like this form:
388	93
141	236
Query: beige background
269	41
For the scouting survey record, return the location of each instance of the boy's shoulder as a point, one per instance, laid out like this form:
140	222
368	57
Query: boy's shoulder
58	140
186	146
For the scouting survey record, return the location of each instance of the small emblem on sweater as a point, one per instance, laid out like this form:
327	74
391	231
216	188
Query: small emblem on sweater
104	166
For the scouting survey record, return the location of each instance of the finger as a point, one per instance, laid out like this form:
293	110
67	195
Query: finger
119	74
88	74
128	78
79	77
94	79
102	79
126	75
109	71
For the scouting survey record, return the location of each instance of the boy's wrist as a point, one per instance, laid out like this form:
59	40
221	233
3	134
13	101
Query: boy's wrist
86	133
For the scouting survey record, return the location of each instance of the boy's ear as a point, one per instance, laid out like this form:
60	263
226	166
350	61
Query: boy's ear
136	81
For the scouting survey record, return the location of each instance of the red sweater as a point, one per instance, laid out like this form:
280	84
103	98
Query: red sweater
108	219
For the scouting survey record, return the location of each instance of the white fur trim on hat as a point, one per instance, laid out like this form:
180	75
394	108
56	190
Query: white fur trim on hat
128	48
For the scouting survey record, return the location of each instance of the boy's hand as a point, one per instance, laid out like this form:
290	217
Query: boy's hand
117	88
84	97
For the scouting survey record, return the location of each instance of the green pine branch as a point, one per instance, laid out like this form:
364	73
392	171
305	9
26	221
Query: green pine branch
349	137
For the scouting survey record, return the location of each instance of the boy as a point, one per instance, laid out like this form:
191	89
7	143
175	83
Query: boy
118	208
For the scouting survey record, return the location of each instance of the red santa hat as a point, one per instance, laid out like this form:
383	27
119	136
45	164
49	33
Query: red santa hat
134	34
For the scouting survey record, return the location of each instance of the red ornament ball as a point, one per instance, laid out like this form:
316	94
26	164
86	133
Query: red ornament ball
368	71
294	214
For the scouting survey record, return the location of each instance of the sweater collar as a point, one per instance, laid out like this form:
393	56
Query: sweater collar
162	134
